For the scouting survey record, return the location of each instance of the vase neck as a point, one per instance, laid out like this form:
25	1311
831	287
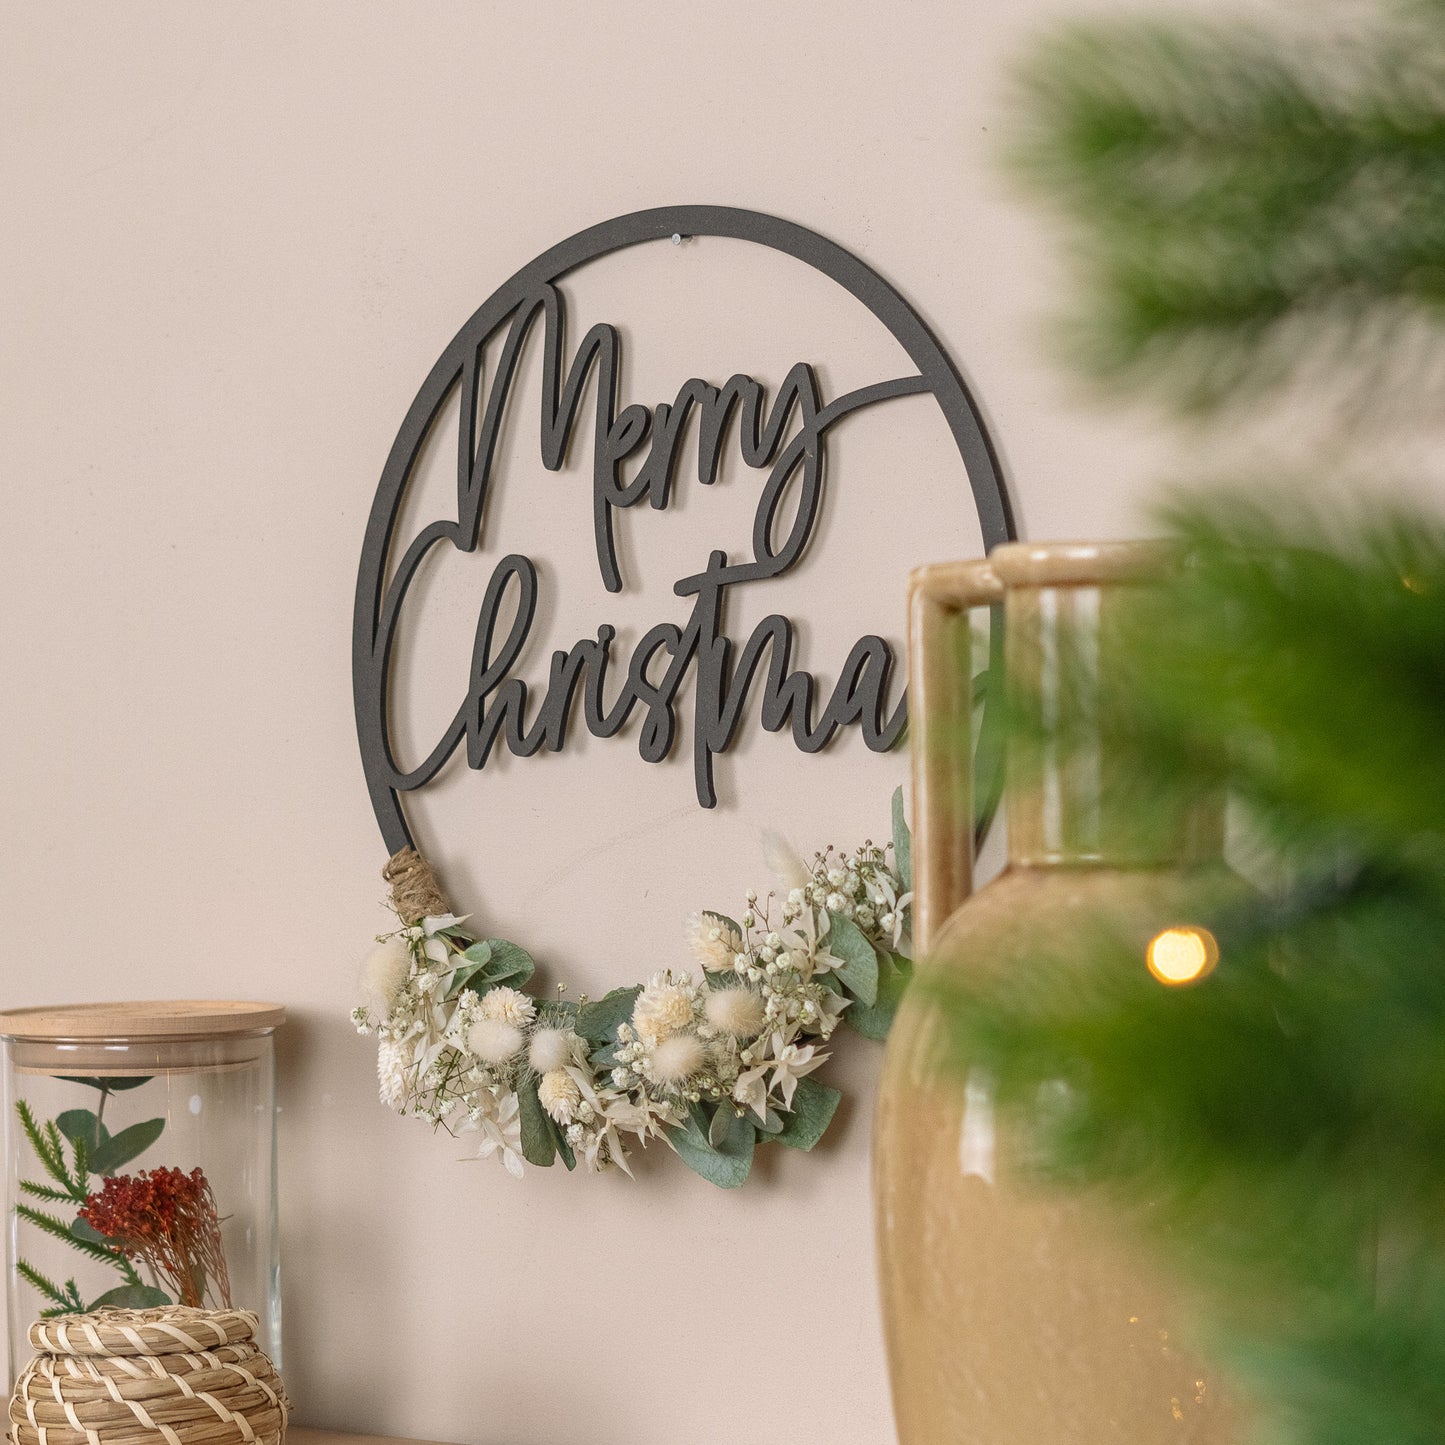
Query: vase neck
1071	797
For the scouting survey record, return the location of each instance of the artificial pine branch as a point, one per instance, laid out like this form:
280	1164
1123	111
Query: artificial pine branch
47	1149
43	1283
57	1228
1249	205
42	1191
70	1303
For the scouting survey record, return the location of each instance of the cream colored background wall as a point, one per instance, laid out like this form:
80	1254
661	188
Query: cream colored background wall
235	239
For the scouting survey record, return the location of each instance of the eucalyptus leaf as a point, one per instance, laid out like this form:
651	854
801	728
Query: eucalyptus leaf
121	1148
559	1140
894	975
83	1127
727	1165
724	920
902	841
509	964
814	1105
538	1145
108	1085
606	1056
463	978
131	1297
771	1123
491	963
718	1130
858	962
83	1230
598	1022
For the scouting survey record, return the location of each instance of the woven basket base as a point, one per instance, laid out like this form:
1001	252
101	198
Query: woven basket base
142	1377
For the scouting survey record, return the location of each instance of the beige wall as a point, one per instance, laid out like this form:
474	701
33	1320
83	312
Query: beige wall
236	237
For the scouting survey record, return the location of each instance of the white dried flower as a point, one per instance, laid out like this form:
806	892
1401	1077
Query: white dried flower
494	1040
554	1048
391	1065
559	1094
510	1005
736	1012
384	974
713	942
677	1059
663	1007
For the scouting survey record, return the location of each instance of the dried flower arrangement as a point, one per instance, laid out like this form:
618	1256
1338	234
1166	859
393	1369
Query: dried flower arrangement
165	1220
712	1066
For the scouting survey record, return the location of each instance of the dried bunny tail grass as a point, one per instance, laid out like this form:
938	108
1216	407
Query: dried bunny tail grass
494	1041
383	975
553	1048
785	861
736	1012
677	1059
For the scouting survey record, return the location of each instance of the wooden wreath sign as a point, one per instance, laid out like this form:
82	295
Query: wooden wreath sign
713	1062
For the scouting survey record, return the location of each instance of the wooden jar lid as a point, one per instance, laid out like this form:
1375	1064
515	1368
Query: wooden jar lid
151	1019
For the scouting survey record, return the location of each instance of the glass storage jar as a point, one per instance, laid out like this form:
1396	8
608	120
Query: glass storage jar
156	1123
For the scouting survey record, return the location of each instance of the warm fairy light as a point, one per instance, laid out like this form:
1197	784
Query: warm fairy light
1182	955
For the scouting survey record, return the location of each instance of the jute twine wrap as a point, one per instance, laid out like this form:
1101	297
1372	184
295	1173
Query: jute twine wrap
415	892
140	1377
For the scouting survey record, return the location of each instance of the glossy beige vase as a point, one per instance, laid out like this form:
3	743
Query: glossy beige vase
1015	1315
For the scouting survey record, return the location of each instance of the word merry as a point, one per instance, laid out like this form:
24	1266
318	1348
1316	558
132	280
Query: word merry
786	513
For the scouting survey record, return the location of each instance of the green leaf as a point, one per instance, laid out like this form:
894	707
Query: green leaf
490	964
606	1056
902	841
598	1022
858	966
509	963
121	1148
82	1229
559	1139
873	1022
724	920
538	1145
814	1105
108	1085
718	1130
80	1126
131	1297
728	1164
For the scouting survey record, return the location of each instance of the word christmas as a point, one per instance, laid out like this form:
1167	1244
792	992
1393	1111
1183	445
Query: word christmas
787	438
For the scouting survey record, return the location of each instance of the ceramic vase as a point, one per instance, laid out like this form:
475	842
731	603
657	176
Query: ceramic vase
1016	1314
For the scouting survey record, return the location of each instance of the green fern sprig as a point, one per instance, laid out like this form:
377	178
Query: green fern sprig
48	1146
43	1283
70	1303
43	1191
57	1228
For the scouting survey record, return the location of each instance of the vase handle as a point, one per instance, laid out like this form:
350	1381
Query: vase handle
940	708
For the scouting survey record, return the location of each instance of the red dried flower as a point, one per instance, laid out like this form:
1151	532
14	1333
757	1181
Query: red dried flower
168	1220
